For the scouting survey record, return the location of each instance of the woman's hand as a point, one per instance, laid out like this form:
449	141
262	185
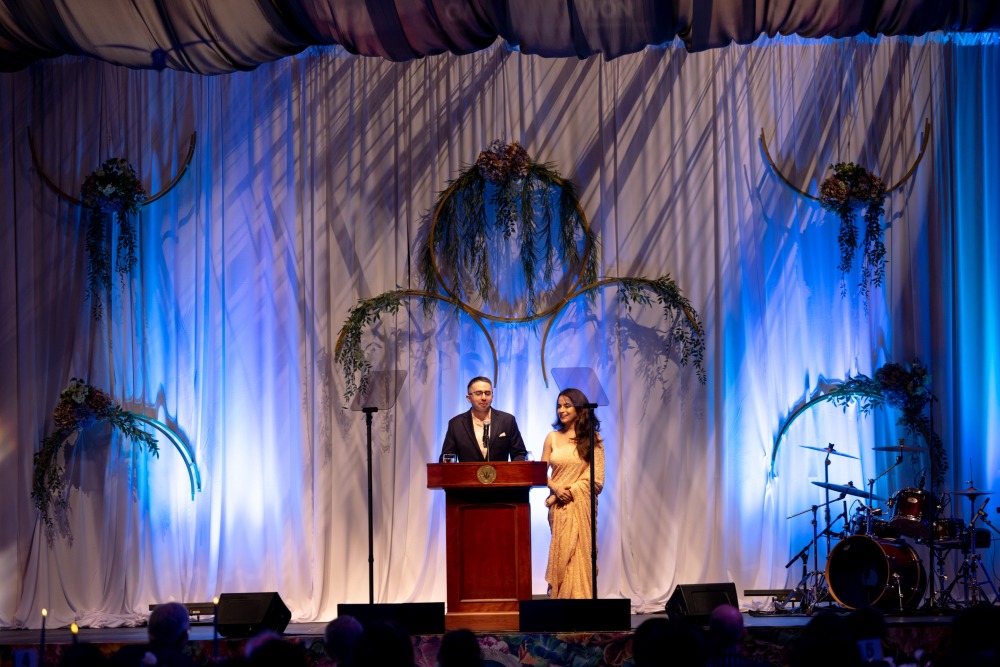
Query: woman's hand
564	494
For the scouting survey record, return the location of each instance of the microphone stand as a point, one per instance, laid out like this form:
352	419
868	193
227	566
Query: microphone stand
871	494
371	529
811	593
593	503
982	515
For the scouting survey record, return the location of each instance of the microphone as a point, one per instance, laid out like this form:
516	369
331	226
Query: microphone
923	478
486	438
979	513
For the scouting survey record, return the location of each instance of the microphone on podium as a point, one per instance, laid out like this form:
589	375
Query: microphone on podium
486	438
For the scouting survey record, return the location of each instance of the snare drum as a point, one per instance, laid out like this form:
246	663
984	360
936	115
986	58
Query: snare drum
911	512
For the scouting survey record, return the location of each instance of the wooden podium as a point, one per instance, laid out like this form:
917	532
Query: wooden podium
488	523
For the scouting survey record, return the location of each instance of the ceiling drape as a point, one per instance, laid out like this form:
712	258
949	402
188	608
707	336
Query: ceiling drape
215	37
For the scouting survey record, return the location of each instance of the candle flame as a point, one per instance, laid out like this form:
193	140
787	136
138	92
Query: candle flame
45	612
215	600
74	628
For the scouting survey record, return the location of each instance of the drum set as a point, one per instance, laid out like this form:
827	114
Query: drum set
874	562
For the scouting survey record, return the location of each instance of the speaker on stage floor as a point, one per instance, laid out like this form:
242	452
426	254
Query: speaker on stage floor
246	614
575	615
418	618
695	602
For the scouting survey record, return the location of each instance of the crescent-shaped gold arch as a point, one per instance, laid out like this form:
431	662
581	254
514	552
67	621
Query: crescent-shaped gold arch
643	282
149	200
889	190
194	474
422	294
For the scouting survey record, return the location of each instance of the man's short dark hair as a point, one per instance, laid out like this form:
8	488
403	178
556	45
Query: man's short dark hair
169	624
341	638
474	380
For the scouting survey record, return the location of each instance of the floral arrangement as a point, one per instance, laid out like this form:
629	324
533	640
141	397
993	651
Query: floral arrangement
80	406
907	388
112	190
501	162
849	188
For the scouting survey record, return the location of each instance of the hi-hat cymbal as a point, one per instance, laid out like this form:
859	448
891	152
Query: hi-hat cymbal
850	490
828	450
899	449
972	492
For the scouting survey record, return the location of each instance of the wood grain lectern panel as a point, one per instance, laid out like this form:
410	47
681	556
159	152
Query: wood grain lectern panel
488	523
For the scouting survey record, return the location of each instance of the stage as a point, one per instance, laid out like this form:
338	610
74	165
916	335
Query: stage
767	638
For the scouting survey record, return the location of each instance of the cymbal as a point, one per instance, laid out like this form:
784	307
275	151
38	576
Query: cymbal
899	449
828	450
850	490
972	492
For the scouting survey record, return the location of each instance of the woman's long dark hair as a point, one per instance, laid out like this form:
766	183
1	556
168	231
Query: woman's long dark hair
586	421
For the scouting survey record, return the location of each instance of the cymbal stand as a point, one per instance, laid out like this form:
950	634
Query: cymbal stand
942	598
817	590
968	573
826	505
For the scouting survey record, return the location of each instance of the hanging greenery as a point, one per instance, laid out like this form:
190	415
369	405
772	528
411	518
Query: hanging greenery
507	194
80	406
686	332
349	353
897	386
112	190
852	187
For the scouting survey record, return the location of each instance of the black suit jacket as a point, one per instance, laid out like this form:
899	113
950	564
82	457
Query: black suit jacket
505	439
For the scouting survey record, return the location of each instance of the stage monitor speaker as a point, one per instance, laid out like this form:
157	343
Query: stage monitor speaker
418	618
695	602
246	614
575	615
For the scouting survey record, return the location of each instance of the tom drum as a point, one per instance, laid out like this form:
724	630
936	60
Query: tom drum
911	513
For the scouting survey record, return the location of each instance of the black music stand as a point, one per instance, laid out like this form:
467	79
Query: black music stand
380	391
550	615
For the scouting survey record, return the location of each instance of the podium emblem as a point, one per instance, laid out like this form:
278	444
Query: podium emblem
486	474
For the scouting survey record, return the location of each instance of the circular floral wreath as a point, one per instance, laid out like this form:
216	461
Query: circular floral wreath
112	190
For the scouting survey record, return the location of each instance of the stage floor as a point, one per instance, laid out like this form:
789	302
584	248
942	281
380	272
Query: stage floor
203	631
768	637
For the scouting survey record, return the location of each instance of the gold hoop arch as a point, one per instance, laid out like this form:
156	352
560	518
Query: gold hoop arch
149	200
596	285
888	191
588	248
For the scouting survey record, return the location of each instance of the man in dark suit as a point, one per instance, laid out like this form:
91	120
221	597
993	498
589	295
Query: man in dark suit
482	433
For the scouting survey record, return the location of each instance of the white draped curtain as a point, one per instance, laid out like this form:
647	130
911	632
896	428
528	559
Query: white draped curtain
310	188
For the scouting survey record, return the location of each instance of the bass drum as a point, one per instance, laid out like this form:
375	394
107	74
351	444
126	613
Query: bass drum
862	572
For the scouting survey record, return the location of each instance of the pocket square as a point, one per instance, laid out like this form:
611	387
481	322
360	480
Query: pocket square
503	435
